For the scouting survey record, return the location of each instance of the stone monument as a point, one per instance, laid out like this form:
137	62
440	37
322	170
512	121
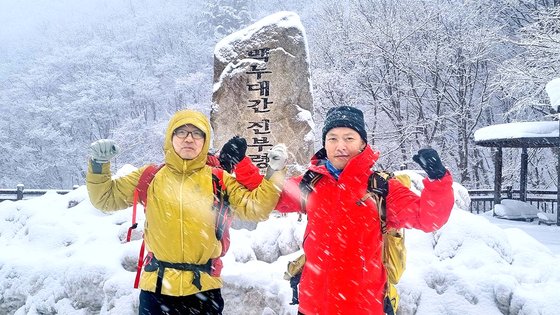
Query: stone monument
262	89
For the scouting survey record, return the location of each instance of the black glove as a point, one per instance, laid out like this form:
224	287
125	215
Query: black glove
429	161
232	153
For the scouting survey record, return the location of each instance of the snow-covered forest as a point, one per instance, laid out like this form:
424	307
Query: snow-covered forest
426	73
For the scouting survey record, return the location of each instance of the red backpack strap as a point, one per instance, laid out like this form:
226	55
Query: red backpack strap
133	225
223	217
213	161
218	179
145	180
141	195
139	264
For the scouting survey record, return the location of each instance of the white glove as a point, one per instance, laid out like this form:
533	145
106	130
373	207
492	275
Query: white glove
103	150
277	157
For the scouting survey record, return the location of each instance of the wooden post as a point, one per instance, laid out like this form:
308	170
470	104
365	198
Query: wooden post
523	175
558	175
497	178
558	194
19	191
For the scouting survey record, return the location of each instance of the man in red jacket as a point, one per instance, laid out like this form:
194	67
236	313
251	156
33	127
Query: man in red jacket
344	273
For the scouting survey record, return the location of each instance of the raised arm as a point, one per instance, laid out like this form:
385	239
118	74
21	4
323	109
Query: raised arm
429	211
257	204
104	192
233	160
290	199
248	174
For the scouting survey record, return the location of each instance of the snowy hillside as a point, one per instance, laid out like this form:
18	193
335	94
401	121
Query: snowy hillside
58	259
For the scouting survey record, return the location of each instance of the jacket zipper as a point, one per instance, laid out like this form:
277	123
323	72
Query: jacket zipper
181	224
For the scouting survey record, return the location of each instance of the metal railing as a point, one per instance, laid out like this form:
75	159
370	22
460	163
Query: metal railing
21	193
482	200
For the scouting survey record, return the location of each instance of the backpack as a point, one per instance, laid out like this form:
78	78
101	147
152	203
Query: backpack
394	250
223	222
294	267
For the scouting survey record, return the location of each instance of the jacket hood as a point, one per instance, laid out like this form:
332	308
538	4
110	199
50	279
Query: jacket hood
172	159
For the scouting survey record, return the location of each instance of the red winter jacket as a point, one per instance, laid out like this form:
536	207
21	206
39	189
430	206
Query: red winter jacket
344	273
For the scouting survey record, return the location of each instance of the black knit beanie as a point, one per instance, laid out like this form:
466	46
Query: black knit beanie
345	116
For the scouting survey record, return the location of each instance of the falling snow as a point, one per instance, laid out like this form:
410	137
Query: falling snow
60	260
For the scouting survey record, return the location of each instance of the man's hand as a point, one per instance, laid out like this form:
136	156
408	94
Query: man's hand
429	161
278	157
232	153
103	150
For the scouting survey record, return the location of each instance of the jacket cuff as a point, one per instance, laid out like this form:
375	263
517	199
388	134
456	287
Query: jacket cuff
243	165
439	184
98	168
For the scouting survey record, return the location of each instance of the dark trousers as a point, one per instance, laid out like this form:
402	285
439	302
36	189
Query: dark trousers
388	306
204	303
294	282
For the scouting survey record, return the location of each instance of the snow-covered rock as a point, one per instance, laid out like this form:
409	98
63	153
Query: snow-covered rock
515	209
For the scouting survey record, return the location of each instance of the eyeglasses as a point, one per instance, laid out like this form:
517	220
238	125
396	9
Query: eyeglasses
183	134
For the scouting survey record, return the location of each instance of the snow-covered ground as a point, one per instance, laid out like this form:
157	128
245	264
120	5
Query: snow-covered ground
547	235
57	259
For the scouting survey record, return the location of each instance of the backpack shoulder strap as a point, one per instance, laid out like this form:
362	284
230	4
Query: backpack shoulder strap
218	177
378	186
212	160
306	186
221	202
141	195
145	180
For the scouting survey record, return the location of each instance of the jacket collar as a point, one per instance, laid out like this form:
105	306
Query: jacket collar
356	166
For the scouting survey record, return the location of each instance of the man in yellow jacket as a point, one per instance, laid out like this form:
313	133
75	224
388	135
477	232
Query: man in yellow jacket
180	221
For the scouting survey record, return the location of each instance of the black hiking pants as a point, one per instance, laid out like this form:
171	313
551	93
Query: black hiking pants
207	302
294	282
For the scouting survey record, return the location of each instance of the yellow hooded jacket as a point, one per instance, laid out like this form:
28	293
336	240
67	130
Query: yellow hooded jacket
180	221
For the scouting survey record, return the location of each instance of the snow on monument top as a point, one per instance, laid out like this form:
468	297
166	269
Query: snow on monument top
225	49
